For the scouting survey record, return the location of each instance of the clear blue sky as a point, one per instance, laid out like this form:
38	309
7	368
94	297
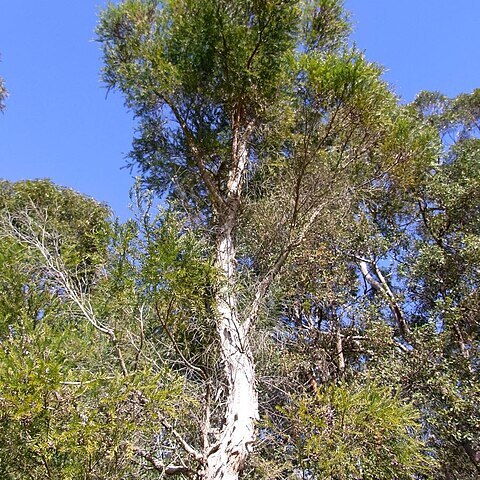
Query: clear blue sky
59	123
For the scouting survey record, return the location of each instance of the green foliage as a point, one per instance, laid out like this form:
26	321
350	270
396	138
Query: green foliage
179	274
346	432
21	302
68	408
80	223
435	239
326	25
367	337
57	421
201	47
338	174
61	420
202	64
346	79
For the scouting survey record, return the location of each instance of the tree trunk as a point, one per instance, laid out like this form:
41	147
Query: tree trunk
234	443
238	433
339	348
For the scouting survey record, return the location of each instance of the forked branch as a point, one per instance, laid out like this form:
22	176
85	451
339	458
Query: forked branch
160	467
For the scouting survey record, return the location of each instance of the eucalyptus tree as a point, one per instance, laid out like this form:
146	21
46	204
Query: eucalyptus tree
414	324
258	120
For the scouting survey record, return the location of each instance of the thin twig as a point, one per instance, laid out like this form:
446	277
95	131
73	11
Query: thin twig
171	337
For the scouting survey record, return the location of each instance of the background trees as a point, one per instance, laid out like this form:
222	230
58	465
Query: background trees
82	376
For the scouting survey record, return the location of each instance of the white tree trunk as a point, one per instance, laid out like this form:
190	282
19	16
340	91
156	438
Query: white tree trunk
241	411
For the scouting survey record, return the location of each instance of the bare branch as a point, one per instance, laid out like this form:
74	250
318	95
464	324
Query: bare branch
56	270
160	466
382	286
195	454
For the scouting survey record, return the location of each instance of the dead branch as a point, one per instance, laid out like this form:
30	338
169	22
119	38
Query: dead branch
35	235
160	466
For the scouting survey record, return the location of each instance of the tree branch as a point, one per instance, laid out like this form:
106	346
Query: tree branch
56	269
383	287
171	337
195	454
207	176
262	288
160	466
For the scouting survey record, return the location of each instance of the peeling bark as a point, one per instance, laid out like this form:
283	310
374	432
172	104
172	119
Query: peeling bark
226	460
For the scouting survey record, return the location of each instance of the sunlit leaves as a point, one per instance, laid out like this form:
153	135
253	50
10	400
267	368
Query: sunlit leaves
326	25
357	431
79	223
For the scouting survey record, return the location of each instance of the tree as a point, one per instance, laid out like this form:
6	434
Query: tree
445	278
428	238
83	382
415	327
355	432
304	305
260	123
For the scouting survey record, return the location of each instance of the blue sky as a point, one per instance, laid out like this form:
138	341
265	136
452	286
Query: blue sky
59	123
